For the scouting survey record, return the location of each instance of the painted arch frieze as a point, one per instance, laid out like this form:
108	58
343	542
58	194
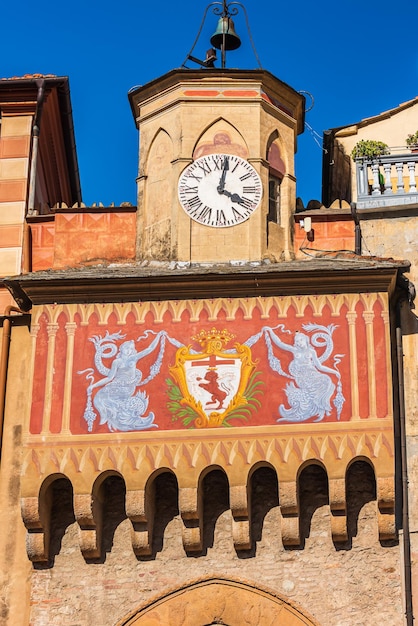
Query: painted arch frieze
187	365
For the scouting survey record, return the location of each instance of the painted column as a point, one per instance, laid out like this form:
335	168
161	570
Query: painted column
368	317
34	330
385	316
355	402
52	329
70	329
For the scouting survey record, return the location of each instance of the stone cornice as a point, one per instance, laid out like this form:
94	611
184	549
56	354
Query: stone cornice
137	283
207	77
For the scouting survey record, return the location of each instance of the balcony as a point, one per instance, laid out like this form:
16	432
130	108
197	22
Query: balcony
386	181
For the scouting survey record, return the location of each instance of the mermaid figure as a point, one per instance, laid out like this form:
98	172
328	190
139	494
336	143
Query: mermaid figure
311	389
118	405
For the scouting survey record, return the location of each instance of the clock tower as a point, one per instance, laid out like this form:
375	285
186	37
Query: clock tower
216	176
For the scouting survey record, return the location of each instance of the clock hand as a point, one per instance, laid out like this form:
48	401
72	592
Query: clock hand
225	168
234	196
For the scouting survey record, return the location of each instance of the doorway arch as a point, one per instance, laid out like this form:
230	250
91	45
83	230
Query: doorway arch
218	600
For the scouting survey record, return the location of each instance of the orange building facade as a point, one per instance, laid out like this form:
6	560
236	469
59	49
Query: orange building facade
188	439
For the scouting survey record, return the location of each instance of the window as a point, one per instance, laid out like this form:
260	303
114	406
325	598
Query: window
274	200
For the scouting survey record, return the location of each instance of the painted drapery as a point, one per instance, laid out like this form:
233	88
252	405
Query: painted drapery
103	368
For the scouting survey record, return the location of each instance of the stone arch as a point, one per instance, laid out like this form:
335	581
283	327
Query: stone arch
159	189
214	498
277	168
313	494
361	488
161	135
221	136
274	155
159	198
219	600
107	510
161	505
263	496
47	517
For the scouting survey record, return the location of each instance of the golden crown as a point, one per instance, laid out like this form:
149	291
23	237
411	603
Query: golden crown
213	337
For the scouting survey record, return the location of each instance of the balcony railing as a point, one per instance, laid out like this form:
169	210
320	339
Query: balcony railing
387	180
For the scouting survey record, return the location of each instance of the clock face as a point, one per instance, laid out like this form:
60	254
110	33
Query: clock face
220	190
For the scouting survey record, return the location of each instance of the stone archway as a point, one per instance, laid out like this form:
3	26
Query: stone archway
217	600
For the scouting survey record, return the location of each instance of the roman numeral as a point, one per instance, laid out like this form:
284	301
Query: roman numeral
220	218
198	178
194	202
185	189
246	203
245	176
205	215
217	163
248	189
205	167
237	214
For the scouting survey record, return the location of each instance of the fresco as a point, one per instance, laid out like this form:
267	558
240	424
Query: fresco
204	364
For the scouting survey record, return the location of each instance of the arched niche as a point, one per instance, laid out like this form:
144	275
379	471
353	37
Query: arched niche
158	199
159	190
218	600
223	138
277	171
276	163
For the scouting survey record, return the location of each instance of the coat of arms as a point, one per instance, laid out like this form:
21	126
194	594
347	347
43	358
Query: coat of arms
214	385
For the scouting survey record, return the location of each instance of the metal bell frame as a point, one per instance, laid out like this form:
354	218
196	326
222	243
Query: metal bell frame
224	10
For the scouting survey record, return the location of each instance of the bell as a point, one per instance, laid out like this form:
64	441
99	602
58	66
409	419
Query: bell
225	35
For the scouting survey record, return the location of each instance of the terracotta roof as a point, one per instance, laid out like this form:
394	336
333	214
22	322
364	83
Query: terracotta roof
342	273
29	77
338	259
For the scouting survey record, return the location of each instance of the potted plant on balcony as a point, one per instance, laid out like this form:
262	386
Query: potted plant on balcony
369	149
412	141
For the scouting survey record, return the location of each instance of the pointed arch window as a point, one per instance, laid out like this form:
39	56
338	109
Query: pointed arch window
276	173
274	199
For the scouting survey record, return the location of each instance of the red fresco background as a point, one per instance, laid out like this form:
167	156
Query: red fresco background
273	387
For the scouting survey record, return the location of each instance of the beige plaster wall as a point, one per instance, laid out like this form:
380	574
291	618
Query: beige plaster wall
185	122
15	568
389	236
339	588
392	129
397	237
356	584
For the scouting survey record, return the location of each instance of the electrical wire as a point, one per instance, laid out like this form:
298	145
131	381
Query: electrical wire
316	137
304	250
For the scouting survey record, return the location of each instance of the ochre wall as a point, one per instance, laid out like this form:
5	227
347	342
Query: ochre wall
115	518
181	123
391	129
398	237
359	585
15	568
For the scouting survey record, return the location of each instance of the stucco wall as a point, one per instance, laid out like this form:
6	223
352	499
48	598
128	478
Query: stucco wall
392	128
359	584
397	237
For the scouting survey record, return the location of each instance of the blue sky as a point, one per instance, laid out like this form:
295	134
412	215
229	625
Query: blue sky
356	59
